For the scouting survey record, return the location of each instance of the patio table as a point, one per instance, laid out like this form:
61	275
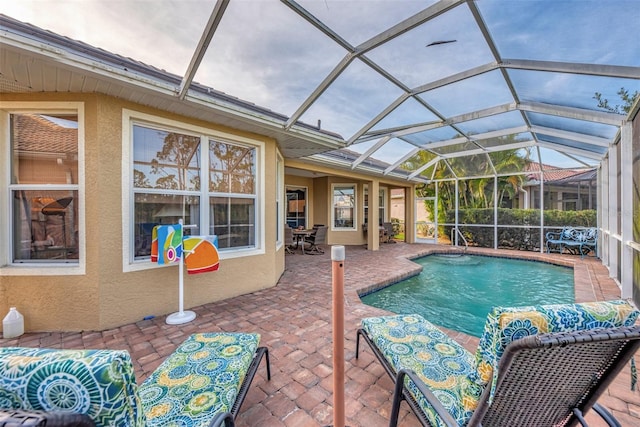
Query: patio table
300	235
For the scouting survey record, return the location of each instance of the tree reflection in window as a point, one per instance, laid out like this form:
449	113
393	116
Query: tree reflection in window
166	160
232	168
166	185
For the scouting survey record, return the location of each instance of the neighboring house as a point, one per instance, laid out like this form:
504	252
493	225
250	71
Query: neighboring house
563	189
397	205
96	149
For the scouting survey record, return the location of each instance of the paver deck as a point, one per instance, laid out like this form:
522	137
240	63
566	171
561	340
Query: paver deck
294	319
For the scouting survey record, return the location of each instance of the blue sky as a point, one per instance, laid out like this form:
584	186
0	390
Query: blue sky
265	53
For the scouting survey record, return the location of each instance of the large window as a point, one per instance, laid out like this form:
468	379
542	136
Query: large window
166	182
44	193
232	186
344	203
208	182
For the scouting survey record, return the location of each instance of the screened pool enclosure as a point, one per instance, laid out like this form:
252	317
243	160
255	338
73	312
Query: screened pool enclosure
488	101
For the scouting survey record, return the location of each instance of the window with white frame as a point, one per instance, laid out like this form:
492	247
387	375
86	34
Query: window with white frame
296	207
344	206
44	190
382	205
207	181
232	194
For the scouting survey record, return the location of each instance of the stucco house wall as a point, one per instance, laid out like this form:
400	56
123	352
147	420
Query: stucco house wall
104	290
105	296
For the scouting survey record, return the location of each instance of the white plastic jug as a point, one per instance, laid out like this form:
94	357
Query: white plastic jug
13	324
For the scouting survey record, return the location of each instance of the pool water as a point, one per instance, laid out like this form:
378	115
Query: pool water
458	292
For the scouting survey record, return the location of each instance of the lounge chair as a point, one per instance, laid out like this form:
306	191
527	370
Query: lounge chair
204	381
534	366
19	418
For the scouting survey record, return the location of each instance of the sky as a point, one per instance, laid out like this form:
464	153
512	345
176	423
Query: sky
265	53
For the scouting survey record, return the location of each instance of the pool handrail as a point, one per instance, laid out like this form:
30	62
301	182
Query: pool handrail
457	230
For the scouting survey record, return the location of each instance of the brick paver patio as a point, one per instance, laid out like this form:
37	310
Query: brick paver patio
294	319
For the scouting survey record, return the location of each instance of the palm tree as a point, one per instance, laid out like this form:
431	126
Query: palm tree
474	193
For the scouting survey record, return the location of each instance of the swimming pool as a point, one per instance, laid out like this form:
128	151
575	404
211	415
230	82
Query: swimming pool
458	292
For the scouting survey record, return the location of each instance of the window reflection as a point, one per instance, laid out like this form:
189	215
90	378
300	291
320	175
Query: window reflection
344	197
155	209
167	167
44	152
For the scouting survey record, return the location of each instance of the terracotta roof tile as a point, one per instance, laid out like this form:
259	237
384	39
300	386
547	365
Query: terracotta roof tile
34	133
551	173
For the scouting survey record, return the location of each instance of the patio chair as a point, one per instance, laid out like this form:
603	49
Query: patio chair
535	366
315	240
388	232
289	241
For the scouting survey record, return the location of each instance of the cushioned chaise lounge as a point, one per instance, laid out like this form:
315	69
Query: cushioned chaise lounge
204	381
534	366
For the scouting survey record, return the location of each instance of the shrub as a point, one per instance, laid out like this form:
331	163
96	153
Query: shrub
523	237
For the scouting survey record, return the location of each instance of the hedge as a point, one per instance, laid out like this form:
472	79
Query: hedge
515	238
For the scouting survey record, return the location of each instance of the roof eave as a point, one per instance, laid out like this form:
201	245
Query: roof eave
145	80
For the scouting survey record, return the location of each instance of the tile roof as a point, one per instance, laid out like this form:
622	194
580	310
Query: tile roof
554	173
36	134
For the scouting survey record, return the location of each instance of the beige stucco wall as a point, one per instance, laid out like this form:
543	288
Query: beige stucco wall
320	199
105	296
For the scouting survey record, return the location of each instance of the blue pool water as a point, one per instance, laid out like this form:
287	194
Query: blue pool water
458	292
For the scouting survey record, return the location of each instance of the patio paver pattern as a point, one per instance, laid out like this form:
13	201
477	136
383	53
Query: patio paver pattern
294	319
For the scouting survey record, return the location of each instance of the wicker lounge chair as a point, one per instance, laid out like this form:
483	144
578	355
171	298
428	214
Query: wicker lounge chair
202	383
535	366
16	417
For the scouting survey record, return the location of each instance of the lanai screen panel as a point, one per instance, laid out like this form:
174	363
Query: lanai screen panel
381	72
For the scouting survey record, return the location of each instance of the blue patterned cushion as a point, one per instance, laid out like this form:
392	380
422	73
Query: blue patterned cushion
505	325
200	379
411	342
99	383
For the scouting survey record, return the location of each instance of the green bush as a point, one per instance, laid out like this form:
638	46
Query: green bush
524	238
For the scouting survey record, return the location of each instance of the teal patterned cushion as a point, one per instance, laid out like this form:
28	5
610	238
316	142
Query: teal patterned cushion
505	325
411	342
200	379
99	383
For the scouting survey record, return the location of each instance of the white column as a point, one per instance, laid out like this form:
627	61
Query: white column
605	235
612	192
373	233
495	211
626	166
542	233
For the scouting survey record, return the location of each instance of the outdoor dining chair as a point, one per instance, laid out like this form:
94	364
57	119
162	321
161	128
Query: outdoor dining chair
315	240
289	241
388	232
